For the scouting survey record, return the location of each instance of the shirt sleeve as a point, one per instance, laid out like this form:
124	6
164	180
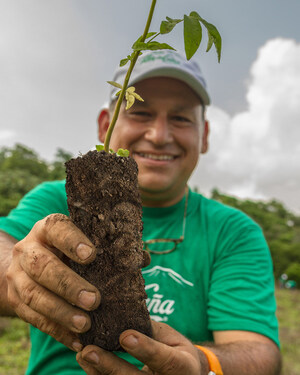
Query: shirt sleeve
43	200
241	295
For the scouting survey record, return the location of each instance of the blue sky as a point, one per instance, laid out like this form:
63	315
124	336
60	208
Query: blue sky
55	57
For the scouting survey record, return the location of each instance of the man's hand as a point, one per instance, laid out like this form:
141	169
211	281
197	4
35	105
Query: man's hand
168	353
43	290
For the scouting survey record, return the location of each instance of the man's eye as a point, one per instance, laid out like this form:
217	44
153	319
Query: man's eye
141	114
181	120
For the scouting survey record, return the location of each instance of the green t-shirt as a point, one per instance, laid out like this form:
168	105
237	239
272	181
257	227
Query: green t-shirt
219	278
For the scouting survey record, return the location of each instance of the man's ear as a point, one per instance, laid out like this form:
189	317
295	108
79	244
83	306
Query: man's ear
103	124
205	143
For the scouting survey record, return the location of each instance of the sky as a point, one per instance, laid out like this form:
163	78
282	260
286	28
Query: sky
56	56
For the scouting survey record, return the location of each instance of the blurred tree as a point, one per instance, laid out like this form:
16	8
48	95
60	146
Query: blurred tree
24	159
293	272
280	226
57	168
21	169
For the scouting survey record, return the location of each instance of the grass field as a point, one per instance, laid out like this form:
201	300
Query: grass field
288	313
15	346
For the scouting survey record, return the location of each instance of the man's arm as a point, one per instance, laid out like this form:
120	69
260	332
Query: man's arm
170	353
244	352
6	246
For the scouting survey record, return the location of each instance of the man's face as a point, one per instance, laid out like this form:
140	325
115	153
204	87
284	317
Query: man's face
163	135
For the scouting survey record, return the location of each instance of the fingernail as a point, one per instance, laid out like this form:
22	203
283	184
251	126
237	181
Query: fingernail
87	299
92	357
79	321
77	346
130	341
84	251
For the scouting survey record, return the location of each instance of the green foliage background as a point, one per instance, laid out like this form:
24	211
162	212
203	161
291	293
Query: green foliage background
21	168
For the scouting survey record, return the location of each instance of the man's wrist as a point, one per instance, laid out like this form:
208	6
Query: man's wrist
212	361
203	361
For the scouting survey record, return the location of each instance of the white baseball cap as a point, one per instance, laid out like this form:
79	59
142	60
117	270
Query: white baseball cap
164	63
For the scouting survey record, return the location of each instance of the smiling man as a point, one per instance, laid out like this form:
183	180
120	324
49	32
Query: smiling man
165	135
210	284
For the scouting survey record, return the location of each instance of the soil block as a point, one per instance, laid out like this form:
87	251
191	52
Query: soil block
104	203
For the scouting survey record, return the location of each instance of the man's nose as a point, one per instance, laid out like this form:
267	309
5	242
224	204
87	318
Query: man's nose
159	132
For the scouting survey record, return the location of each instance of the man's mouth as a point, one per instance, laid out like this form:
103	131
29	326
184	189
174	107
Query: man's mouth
156	157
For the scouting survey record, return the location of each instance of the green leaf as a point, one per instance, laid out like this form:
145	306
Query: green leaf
131	92
128	58
152	46
214	36
101	148
192	35
123	152
124	61
196	15
139	46
130	99
138	40
168	26
149	35
210	43
138	97
115	84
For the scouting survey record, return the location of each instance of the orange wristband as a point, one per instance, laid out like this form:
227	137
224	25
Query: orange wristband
213	362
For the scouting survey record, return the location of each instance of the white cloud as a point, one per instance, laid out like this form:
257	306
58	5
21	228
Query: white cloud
256	153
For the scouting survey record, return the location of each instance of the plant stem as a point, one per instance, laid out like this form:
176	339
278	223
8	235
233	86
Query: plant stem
125	84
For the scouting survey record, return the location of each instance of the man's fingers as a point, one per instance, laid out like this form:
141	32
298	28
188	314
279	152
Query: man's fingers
47	304
147	370
164	333
86	366
48	270
106	363
159	357
51	328
57	231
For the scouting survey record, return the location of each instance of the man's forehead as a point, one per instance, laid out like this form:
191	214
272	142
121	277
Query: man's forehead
175	106
167	89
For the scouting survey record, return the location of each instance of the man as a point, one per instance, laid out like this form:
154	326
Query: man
214	285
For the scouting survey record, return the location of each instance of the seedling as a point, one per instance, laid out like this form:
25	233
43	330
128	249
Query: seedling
192	30
105	204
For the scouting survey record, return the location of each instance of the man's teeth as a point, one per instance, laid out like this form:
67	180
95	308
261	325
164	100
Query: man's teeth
157	157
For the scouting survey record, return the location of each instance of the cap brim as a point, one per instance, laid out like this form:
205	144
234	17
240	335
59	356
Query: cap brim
177	74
